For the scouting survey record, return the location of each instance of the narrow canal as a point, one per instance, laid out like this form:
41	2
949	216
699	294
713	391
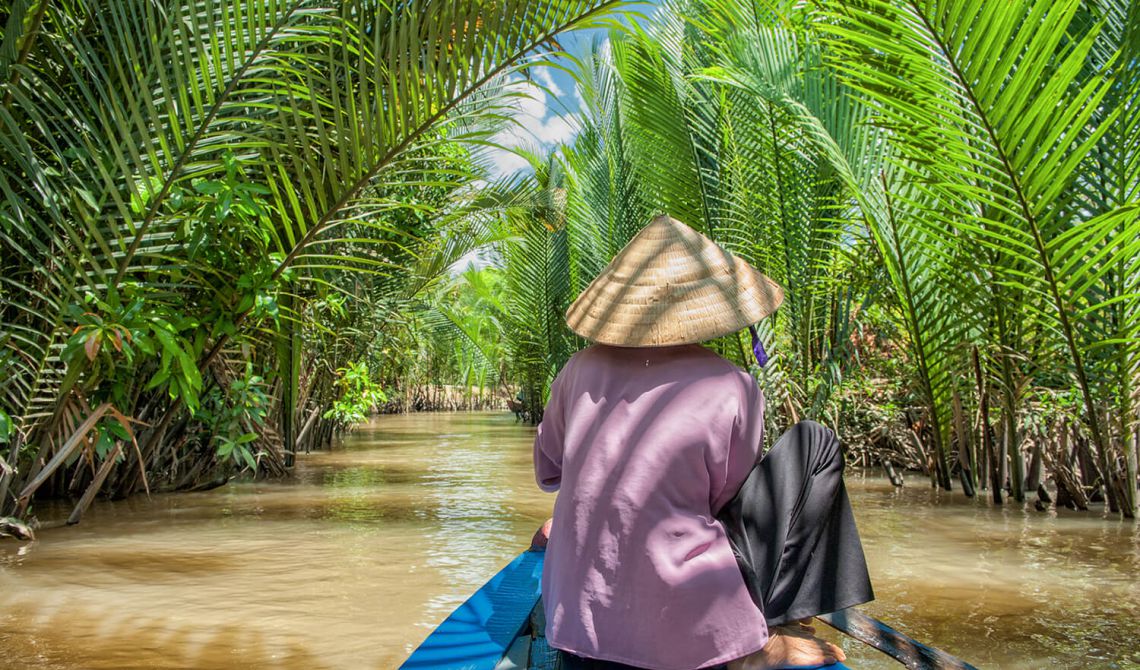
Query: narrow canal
352	562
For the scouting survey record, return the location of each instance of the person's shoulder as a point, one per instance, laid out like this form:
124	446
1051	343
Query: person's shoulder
579	360
714	361
729	374
581	356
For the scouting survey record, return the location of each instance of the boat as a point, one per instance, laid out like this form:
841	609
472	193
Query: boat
502	627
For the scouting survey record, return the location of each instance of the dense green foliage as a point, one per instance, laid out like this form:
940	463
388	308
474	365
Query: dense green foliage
217	215
948	191
226	241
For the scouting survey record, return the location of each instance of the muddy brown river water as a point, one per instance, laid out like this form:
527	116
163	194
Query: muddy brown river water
351	563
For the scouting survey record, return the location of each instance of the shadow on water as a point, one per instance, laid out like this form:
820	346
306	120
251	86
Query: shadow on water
350	564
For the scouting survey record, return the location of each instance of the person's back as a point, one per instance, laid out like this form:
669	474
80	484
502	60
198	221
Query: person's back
647	437
646	445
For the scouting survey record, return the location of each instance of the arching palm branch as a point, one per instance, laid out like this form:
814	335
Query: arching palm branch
994	112
198	157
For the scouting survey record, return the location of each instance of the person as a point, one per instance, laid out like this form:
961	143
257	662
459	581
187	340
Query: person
673	545
518	405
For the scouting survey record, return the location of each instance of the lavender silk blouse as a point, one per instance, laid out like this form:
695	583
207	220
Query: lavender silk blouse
645	445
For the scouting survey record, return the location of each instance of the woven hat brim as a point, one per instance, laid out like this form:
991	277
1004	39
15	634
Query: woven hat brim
671	285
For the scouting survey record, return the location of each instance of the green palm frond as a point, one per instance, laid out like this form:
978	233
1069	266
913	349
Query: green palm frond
131	131
997	150
605	203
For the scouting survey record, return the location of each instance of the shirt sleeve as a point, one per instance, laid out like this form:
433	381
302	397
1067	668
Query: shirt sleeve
548	443
744	446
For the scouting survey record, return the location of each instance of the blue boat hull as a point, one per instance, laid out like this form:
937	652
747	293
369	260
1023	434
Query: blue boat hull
498	628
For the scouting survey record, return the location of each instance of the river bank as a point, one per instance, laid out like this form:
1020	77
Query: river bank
352	561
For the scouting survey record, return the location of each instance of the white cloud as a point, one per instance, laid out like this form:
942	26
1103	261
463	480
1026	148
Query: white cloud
555	130
542	76
579	100
535	127
505	162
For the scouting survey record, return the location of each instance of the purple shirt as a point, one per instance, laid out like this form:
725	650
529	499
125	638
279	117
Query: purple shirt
646	445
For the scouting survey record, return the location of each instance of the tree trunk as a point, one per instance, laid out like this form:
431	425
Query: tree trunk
965	449
96	484
1033	478
1011	435
987	435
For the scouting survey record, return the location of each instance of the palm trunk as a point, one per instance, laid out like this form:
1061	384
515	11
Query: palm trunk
987	435
965	448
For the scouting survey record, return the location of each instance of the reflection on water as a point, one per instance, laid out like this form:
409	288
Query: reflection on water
351	563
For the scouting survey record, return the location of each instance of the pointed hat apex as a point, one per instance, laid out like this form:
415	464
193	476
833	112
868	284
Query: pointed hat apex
671	285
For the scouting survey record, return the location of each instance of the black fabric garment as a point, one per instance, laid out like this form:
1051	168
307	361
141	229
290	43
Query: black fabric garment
793	532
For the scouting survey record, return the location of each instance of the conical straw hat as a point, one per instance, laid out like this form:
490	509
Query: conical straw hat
671	285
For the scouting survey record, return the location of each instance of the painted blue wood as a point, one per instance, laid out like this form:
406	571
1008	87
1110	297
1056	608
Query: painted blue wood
479	632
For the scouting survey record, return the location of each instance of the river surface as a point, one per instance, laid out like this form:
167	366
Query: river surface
353	561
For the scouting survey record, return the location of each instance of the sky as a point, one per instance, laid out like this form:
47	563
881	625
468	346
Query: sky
548	118
544	118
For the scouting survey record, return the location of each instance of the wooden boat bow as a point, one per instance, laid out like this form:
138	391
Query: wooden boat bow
500	627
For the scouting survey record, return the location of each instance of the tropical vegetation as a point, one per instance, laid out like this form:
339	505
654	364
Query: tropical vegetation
948	191
228	241
217	215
